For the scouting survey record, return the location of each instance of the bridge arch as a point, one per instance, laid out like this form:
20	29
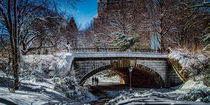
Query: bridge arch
144	72
93	72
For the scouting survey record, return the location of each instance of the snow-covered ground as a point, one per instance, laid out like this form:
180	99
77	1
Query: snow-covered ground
33	93
45	79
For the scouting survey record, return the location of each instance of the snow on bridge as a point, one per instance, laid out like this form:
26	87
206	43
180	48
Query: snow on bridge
120	55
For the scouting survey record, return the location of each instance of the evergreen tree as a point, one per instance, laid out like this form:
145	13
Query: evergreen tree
125	42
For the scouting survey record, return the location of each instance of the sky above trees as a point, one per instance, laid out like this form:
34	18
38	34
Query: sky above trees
84	12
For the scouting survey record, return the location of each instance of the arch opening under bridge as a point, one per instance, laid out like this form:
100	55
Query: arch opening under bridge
142	76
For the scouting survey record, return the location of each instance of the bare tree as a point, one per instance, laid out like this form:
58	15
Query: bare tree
41	33
160	14
13	15
191	20
71	33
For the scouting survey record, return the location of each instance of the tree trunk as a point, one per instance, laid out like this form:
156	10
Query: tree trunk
16	46
162	46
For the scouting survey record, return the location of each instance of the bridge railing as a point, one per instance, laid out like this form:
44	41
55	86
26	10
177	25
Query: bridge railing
83	50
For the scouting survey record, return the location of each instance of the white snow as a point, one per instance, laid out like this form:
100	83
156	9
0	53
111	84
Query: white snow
35	93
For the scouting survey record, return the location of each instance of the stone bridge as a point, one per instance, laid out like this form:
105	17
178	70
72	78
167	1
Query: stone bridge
151	69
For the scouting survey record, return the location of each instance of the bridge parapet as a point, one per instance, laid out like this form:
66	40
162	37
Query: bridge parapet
77	50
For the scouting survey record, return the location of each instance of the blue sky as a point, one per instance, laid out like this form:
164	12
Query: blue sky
85	11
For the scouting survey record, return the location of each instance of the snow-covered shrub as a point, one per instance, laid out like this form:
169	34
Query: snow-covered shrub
125	42
71	89
41	67
191	64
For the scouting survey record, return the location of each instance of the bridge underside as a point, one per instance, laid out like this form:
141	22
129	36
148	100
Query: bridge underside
140	78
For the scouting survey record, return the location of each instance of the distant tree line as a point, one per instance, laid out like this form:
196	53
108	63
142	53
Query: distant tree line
174	23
